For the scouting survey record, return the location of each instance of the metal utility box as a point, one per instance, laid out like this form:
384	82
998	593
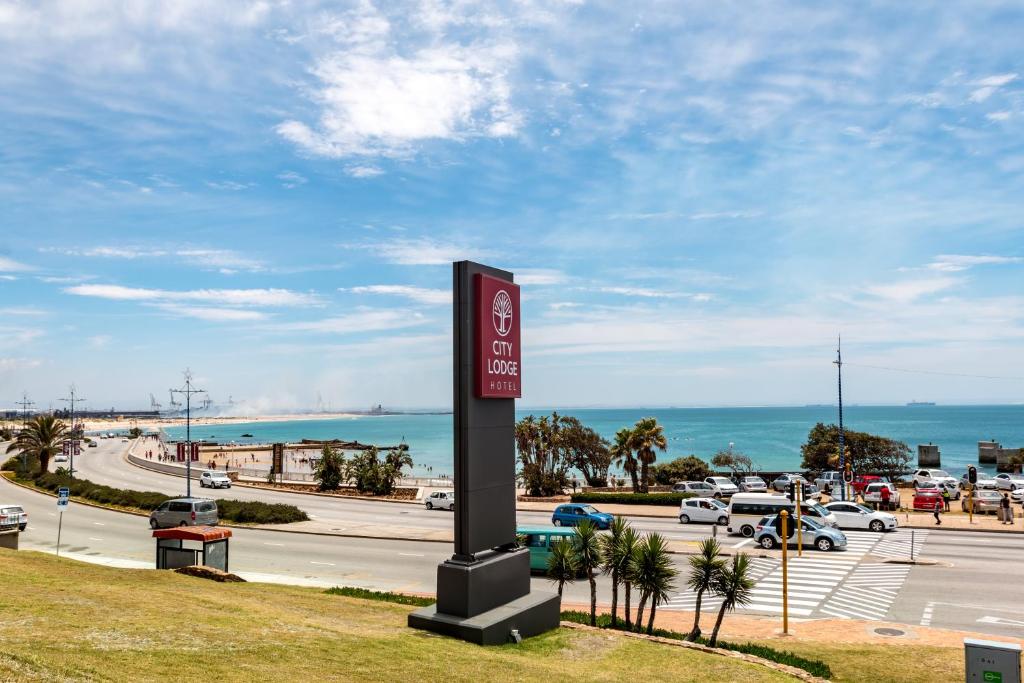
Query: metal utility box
989	661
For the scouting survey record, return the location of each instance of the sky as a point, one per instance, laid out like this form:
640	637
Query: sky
696	197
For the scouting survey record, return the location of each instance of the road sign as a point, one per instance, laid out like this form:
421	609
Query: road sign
63	495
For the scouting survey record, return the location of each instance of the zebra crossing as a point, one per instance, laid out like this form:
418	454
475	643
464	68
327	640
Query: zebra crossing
868	593
821	584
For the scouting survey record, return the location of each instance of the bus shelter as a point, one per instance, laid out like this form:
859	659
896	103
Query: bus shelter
212	549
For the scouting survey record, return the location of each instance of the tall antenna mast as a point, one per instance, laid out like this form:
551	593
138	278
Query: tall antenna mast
24	403
842	436
72	399
188	390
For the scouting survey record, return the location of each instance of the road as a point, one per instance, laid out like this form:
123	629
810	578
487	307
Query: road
973	585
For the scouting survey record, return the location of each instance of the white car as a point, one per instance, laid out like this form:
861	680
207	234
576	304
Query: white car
13	515
722	486
938	476
853	516
214	479
1017	495
706	510
753	485
873	493
440	500
60	458
984	481
1009	482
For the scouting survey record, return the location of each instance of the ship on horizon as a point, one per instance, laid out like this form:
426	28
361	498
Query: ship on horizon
921	403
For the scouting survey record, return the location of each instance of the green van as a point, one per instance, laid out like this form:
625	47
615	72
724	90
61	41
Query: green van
539	540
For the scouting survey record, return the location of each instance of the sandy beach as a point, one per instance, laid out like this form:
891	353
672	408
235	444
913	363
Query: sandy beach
151	424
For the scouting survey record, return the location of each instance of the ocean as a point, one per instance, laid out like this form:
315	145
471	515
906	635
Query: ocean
771	436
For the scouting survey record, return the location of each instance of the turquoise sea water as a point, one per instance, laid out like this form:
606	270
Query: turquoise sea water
771	436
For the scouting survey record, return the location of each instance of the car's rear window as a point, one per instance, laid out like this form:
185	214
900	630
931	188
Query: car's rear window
206	507
180	507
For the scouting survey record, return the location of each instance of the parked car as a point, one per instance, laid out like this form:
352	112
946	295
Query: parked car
214	479
753	485
983	501
722	486
928	499
697	488
1017	495
13	515
814	534
574	513
93	444
832	479
707	510
862	481
938	476
184	512
440	500
60	458
1009	482
783	481
539	540
984	481
873	494
852	516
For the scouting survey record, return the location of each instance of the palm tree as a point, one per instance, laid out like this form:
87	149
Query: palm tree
622	455
734	585
41	439
628	545
614	560
705	567
648	435
654	575
562	567
586	548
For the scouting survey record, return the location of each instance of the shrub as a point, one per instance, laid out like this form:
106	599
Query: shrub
11	464
380	596
812	666
631	498
253	512
690	468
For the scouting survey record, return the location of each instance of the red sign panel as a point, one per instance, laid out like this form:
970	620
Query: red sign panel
498	356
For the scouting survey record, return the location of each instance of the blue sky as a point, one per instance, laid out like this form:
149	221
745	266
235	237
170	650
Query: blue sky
697	197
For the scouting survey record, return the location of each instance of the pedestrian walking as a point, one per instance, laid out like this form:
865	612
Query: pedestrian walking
1005	511
945	498
884	494
938	510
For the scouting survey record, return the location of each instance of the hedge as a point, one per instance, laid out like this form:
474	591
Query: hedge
254	512
381	596
631	498
813	666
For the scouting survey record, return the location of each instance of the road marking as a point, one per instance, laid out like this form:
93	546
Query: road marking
743	543
1000	621
412	554
325	564
281	545
926	616
99	523
93	538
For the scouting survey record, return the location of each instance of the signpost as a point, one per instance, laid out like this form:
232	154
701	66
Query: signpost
483	590
63	496
784	534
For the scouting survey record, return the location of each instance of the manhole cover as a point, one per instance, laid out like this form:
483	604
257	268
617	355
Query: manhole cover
889	632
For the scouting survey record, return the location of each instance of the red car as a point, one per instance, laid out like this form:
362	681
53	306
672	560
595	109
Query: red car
928	499
861	482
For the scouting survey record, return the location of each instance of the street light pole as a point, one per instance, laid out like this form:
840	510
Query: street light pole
71	400
24	403
842	437
188	390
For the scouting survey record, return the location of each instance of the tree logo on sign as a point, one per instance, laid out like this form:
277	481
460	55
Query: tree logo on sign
501	313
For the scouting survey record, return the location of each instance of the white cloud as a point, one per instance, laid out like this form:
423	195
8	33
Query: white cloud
23	311
360	322
11	266
291	179
952	263
363	171
989	85
650	293
230	185
228	297
911	290
998	116
225	260
535	277
421	295
422	251
99	341
376	101
212	313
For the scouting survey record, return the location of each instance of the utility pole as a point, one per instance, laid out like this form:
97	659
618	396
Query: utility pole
842	437
71	400
188	390
24	403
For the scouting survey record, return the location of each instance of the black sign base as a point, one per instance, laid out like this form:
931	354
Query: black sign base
530	615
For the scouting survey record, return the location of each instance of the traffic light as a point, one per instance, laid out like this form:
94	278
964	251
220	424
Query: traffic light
790	525
793	491
972	474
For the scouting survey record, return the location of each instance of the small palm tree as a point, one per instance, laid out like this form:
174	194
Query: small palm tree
705	567
627	549
40	439
648	435
622	455
734	585
614	560
586	548
562	567
654	575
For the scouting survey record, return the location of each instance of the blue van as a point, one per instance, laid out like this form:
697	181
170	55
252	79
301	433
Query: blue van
572	514
540	540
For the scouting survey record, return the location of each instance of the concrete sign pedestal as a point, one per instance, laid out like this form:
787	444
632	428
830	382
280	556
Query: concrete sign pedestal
483	591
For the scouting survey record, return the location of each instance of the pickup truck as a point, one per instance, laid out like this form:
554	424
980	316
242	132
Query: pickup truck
833	479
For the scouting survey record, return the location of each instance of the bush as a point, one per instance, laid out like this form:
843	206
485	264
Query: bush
11	464
812	666
632	498
229	510
380	596
690	468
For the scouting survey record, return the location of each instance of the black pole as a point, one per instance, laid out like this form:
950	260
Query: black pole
842	436
188	442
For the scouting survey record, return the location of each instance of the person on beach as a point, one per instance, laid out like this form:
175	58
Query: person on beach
1005	511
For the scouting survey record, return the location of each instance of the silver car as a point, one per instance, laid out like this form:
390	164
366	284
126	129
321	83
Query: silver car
814	535
698	488
184	512
983	502
753	485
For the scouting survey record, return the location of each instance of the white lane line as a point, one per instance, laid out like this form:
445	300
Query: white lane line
412	554
93	538
99	523
280	545
926	616
743	543
324	564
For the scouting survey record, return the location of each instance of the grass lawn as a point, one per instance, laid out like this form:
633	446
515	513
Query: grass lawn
883	663
65	620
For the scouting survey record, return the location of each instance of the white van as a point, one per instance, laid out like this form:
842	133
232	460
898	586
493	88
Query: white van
747	509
